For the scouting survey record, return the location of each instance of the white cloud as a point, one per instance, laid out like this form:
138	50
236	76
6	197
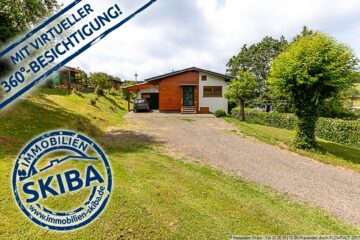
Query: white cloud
175	34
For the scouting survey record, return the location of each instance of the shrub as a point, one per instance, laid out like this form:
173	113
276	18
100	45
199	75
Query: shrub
113	92
100	80
340	131
76	92
49	83
99	91
335	130
93	102
274	119
220	113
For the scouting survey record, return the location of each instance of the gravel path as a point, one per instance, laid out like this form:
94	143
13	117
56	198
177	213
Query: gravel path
214	141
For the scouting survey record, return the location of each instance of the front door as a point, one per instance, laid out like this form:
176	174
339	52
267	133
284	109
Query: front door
189	96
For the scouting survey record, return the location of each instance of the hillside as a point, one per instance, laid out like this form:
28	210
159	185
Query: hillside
357	102
57	109
145	204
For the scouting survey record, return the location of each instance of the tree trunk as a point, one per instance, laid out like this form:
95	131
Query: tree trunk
242	110
128	100
305	133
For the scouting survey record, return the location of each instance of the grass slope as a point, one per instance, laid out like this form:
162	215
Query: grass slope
154	195
357	102
329	152
357	86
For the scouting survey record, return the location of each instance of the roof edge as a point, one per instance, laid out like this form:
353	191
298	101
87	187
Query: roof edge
226	77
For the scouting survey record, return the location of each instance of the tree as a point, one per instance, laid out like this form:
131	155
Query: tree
18	15
241	88
281	103
81	77
305	32
312	69
256	59
100	81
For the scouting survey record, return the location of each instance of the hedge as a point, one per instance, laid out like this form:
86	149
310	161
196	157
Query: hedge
335	130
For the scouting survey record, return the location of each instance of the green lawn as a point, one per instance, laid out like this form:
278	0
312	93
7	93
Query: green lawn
154	195
357	85
357	102
329	152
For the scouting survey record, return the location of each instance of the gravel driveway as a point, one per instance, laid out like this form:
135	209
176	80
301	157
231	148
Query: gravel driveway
214	141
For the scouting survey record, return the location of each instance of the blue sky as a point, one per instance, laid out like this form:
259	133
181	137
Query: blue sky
176	34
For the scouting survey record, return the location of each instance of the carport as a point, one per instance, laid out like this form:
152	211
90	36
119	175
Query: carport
152	99
148	91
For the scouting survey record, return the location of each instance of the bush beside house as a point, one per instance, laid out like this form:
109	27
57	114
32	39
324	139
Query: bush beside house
336	130
220	113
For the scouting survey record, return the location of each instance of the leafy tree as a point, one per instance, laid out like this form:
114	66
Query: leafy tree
334	107
305	32
256	59
311	70
19	15
281	103
127	95
241	88
81	77
114	78
100	81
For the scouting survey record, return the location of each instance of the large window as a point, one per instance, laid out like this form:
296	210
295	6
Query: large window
212	91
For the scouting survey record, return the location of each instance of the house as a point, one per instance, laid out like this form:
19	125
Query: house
116	83
191	90
66	78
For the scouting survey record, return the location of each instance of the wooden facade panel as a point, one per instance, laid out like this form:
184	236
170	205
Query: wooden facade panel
171	91
204	110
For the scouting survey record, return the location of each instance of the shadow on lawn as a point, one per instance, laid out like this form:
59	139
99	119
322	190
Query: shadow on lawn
113	102
28	119
347	153
126	141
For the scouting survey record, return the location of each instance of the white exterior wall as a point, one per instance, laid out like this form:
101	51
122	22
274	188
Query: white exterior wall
153	89
213	103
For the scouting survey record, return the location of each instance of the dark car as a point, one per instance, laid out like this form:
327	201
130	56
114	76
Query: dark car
141	105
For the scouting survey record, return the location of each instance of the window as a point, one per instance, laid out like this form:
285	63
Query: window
203	78
207	91
213	91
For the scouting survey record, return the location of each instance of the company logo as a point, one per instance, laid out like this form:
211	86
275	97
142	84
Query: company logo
62	180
